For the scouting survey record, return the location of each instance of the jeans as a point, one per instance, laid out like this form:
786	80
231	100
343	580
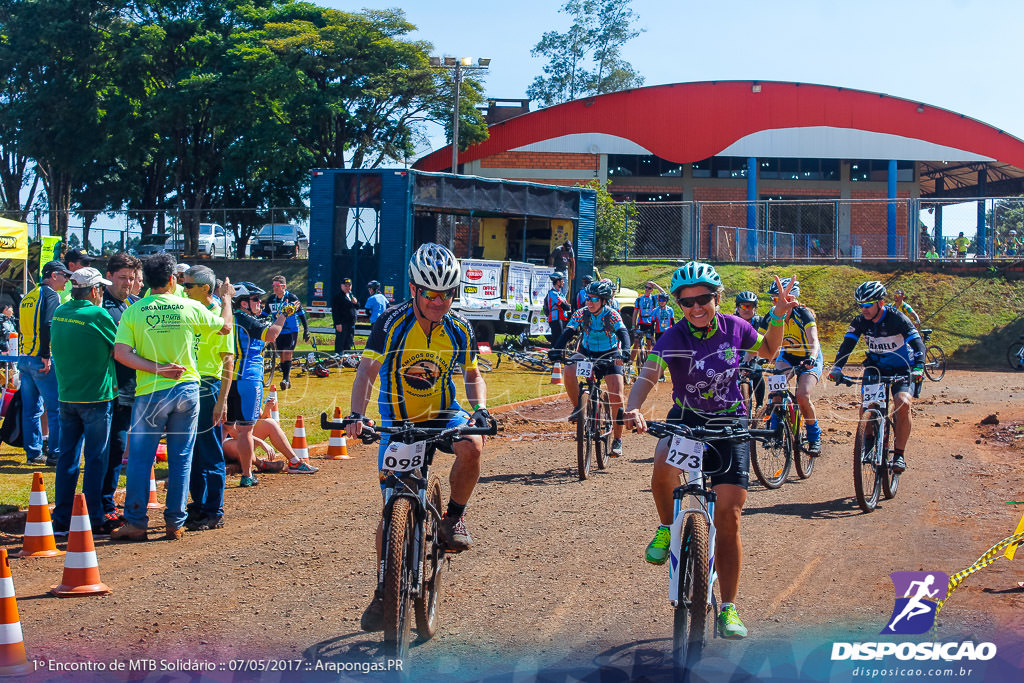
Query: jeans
206	483
120	420
173	410
38	389
91	423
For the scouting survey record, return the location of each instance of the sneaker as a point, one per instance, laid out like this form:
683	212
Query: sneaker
205	523
899	465
39	460
302	468
657	551
729	624
60	530
174	533
103	530
114	519
247	482
51	461
285	384
373	617
128	532
452	531
814	447
616	450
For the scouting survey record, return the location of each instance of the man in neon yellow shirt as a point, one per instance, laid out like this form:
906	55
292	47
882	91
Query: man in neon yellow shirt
157	337
961	244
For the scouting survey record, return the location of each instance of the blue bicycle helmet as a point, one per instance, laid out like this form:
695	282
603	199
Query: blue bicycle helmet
695	273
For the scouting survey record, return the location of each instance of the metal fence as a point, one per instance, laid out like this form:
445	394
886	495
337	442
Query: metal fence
830	229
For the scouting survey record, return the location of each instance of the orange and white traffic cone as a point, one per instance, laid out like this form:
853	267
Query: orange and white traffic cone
337	447
272	401
299	440
13	661
556	373
153	502
38	540
81	571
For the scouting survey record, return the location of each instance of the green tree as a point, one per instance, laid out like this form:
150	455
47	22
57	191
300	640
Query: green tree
587	59
617	223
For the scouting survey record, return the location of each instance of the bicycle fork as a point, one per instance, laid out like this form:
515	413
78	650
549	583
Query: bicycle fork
676	551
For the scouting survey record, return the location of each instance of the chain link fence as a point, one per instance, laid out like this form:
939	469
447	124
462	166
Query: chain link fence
832	229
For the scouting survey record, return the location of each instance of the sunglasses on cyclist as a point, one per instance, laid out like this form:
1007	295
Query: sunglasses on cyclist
869	304
689	301
432	295
747	306
593	298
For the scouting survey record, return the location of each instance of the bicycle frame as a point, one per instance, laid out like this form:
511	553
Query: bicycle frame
787	399
695	488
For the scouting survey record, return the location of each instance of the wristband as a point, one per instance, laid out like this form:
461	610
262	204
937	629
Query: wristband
776	322
479	406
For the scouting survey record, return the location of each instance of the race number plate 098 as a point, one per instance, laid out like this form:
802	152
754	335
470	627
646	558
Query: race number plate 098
404	457
584	369
873	393
777	383
686	454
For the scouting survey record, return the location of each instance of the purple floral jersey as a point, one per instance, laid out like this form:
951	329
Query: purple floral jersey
704	371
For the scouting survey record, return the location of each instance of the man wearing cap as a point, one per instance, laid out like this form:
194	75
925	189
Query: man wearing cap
83	345
343	309
38	382
563	258
75	259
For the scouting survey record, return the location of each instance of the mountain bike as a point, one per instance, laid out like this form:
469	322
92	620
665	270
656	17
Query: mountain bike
514	348
934	358
326	360
1015	354
872	459
773	461
692	572
593	413
642	343
412	554
750	373
269	363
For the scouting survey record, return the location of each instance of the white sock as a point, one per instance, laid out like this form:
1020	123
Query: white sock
296	461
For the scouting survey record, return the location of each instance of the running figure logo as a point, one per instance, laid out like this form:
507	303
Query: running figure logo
917	594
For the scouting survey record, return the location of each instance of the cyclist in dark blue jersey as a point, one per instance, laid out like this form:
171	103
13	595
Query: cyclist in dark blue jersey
894	347
290	334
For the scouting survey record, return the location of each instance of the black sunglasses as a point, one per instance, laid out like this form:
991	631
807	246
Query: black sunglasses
689	301
190	285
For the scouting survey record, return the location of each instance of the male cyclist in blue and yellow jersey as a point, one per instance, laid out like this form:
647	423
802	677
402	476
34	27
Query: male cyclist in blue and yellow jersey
556	308
290	334
415	349
894	347
801	353
900	304
604	335
581	296
245	398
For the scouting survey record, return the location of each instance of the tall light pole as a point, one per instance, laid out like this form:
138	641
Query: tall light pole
459	67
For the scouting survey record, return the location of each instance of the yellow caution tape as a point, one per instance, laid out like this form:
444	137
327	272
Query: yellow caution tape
990	556
1011	550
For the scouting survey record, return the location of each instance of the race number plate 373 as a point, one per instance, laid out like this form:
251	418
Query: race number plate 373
686	454
873	393
584	369
404	457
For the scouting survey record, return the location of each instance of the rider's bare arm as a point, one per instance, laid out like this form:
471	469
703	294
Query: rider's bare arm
476	389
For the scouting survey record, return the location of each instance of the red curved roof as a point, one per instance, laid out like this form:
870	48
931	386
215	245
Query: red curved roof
687	122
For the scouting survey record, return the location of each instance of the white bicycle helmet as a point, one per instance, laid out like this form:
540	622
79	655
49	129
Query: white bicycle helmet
870	291
695	273
434	267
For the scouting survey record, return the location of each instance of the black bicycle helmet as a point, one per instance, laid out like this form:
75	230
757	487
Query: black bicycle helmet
773	290
600	289
556	276
746	297
869	292
374	285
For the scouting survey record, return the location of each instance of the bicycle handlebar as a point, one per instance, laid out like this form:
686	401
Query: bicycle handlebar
876	378
409	432
600	362
704	433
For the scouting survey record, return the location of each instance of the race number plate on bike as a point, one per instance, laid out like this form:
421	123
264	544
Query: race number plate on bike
686	454
404	457
777	383
584	369
873	393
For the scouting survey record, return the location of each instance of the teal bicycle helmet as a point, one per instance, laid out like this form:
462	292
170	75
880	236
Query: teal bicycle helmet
695	273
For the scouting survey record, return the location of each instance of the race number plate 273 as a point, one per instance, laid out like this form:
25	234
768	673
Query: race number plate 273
873	393
404	457
686	454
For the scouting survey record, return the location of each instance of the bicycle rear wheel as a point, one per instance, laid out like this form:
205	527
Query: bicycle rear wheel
772	459
867	477
602	433
890	479
269	363
398	579
584	446
533	361
1015	354
483	365
934	363
425	605
690	623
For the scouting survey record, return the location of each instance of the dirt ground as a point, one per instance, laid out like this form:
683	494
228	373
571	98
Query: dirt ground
557	582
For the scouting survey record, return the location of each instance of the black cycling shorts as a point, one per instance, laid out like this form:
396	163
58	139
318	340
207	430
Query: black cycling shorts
738	452
615	369
286	341
646	328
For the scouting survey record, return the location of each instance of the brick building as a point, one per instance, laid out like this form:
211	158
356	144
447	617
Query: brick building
843	171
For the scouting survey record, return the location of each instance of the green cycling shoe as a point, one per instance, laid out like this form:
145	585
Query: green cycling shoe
657	551
729	624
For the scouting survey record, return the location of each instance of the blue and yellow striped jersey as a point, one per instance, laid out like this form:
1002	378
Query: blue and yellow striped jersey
35	316
417	369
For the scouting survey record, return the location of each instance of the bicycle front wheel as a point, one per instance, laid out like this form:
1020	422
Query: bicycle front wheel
935	363
425	605
772	458
584	446
867	476
398	580
602	433
690	623
890	479
1015	354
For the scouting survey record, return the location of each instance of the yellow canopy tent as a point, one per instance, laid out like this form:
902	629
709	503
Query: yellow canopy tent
14	245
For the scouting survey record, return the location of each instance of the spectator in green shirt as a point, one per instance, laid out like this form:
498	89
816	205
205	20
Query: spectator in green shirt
82	344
